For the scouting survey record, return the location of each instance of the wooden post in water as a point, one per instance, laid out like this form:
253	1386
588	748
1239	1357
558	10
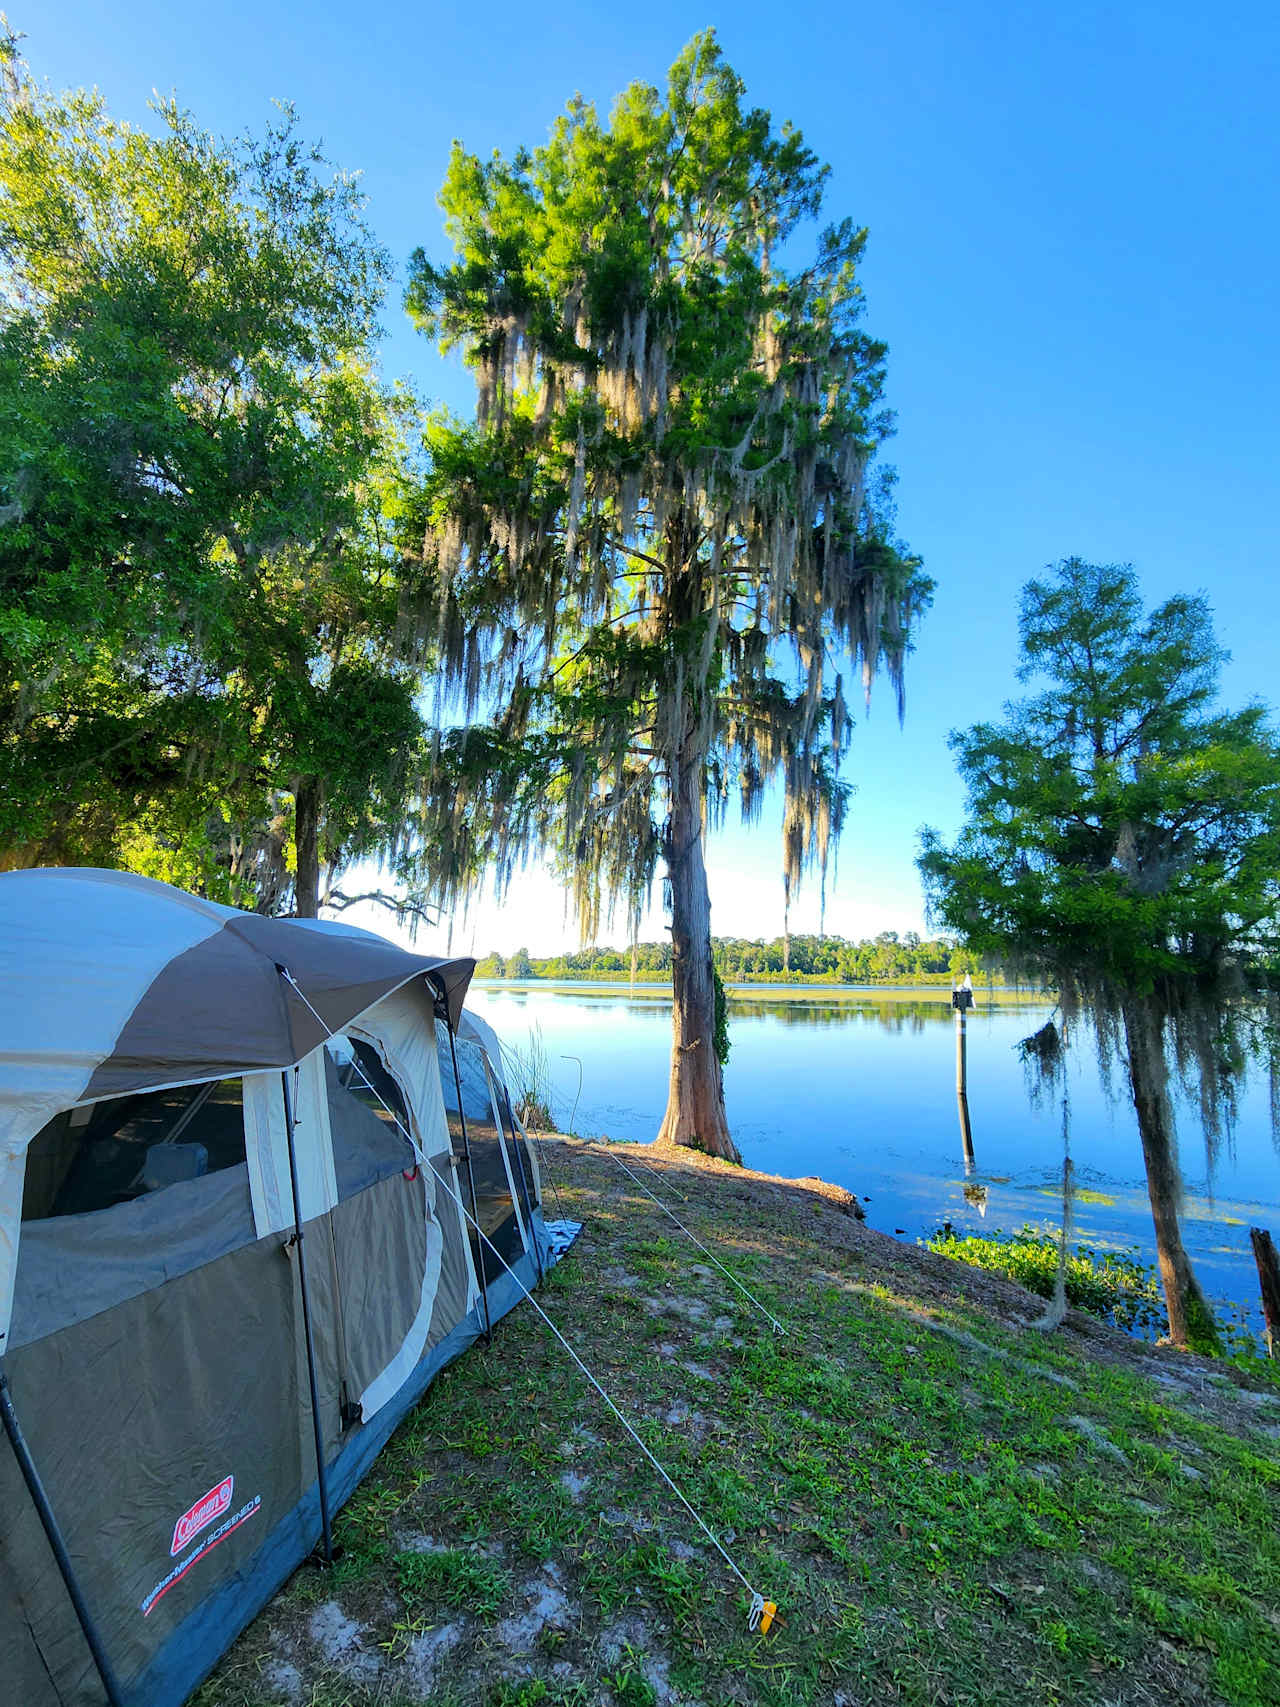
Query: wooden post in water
1264	1254
962	1001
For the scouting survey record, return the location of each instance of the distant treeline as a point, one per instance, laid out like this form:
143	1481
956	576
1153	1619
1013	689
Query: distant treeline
887	958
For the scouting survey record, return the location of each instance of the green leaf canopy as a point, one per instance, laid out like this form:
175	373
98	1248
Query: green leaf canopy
657	548
198	477
1123	846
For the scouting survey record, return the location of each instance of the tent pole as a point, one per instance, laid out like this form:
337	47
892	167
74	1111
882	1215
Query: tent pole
322	1482
471	1176
49	1523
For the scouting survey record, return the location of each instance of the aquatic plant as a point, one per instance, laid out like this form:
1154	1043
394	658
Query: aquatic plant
1112	1284
530	1080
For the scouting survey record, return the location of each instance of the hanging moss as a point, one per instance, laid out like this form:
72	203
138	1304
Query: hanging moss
1043	1052
665	496
1122	846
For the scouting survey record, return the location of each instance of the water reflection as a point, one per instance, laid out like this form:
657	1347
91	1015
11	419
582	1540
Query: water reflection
778	1004
975	1195
859	1087
910	1014
900	1015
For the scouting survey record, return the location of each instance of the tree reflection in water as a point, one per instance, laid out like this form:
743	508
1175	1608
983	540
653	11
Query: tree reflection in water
858	1087
894	1016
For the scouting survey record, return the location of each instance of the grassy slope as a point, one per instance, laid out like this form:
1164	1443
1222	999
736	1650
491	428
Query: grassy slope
948	1506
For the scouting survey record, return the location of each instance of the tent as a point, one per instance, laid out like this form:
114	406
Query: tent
260	1180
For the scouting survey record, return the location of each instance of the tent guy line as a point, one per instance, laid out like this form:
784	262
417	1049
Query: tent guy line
515	1124
761	1612
296	1242
150	1270
710	1255
604	1145
442	1008
760	1608
513	1059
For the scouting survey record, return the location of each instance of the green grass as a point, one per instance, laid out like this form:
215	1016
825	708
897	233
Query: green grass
452	1578
537	1693
946	1508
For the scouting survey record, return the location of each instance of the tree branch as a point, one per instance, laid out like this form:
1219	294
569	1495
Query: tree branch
402	906
634	551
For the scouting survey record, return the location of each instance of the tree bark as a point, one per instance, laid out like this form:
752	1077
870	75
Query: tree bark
695	1114
1191	1324
306	835
1264	1254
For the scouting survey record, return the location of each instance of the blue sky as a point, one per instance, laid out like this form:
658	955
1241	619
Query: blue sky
1073	258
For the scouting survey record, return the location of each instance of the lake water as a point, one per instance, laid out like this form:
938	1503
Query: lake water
859	1089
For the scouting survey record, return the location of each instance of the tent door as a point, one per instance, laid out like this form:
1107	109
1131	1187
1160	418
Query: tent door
385	1244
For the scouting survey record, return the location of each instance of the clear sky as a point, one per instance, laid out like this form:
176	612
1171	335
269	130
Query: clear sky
1074	257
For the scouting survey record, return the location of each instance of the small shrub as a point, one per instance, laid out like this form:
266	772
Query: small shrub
536	1693
720	1041
628	1685
531	1085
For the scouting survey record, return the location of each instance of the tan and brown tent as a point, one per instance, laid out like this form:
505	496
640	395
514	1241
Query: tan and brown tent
260	1179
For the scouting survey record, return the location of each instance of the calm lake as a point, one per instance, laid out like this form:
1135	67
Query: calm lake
859	1088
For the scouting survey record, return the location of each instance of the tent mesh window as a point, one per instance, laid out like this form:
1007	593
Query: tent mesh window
367	1115
493	1207
362	1075
93	1158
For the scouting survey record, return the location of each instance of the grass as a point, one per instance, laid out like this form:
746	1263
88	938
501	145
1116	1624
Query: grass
529	1071
947	1507
451	1578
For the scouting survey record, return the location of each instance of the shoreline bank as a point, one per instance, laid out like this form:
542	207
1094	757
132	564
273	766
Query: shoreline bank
930	1488
992	995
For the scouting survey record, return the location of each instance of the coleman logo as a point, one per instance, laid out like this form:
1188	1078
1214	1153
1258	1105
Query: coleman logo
205	1545
207	1509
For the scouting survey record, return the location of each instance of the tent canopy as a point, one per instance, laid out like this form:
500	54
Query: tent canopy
112	983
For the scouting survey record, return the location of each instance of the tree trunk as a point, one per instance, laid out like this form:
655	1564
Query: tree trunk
1191	1323
695	1113
306	835
1264	1254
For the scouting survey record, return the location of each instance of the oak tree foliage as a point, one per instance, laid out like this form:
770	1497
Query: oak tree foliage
199	474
